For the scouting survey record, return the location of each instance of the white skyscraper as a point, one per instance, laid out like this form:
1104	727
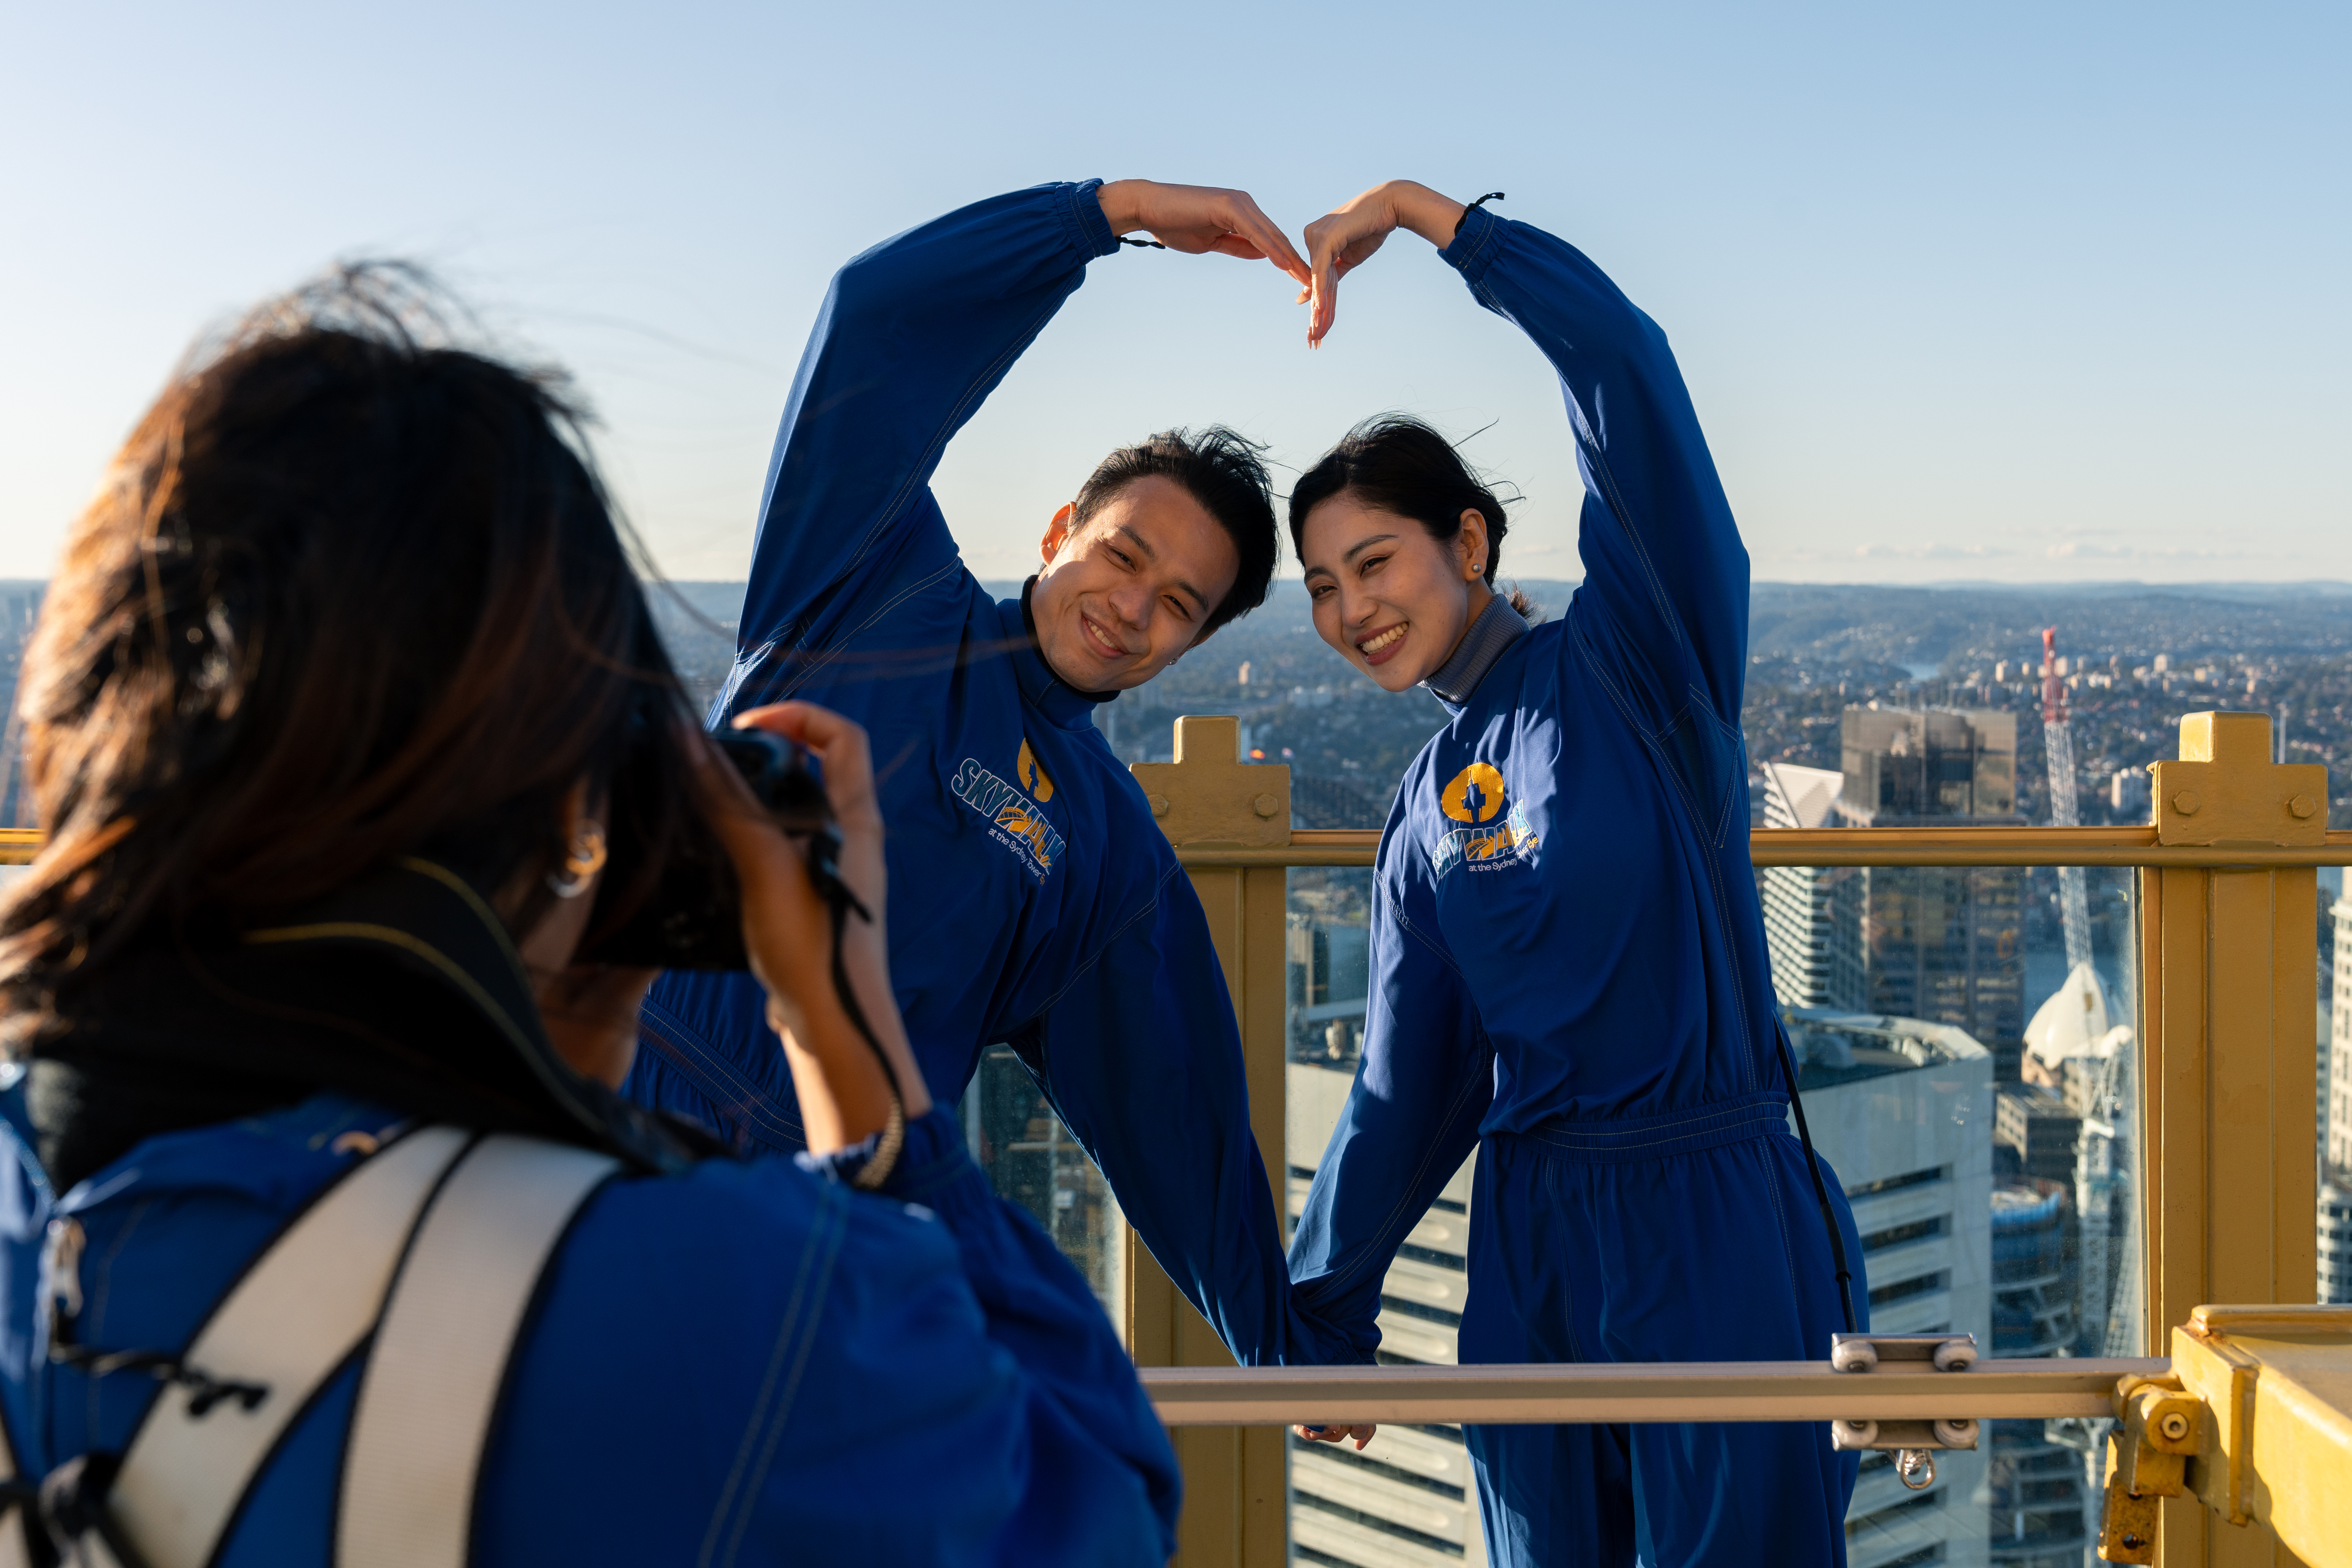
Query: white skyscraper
1812	914
2336	1130
2336	1144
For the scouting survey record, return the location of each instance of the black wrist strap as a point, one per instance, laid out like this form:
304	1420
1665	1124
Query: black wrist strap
1474	206
1142	244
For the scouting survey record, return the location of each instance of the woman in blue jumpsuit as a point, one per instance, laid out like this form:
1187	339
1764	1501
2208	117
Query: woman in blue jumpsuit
1568	963
326	697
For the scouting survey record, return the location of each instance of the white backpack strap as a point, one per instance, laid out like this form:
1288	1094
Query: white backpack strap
441	1352
295	1318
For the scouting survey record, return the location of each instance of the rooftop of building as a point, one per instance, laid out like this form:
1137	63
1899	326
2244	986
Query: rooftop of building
1834	1047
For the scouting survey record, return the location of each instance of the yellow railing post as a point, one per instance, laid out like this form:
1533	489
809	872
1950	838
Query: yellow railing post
2228	1000
1236	1482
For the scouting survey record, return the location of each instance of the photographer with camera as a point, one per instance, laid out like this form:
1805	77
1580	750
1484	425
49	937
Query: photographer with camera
325	1236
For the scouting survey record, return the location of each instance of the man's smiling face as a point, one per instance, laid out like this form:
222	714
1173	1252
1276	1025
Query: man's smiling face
1121	596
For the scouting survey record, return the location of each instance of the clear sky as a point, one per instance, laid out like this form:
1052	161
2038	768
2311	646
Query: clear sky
2032	292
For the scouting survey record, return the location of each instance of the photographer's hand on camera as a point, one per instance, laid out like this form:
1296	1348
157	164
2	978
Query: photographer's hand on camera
788	929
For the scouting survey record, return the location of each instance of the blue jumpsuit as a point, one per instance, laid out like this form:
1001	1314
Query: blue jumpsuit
1569	974
1034	901
740	1364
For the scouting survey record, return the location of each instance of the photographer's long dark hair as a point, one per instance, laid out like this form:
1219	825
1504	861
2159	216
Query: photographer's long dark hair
348	594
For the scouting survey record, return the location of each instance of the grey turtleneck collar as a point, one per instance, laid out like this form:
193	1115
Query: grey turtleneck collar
1490	636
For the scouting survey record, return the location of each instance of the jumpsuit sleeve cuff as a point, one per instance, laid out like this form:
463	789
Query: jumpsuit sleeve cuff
1082	215
932	1160
1475	245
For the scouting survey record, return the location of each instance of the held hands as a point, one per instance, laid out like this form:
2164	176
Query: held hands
1362	1434
788	931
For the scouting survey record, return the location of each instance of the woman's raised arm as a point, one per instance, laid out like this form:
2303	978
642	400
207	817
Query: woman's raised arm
1661	551
1340	241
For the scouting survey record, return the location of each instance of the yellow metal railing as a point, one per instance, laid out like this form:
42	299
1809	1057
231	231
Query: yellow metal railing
2227	895
2126	847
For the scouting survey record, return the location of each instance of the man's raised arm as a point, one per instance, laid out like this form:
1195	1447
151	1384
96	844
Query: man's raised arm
913	335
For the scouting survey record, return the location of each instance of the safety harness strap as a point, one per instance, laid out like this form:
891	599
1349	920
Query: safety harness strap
296	1317
442	1351
445	1296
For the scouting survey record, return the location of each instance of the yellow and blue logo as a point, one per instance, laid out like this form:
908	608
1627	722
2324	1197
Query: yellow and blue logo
1475	797
1011	811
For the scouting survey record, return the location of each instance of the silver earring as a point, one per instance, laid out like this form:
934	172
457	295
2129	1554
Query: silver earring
580	866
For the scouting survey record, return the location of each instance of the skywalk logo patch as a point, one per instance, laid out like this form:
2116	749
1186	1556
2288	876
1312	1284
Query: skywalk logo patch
1475	797
1011	810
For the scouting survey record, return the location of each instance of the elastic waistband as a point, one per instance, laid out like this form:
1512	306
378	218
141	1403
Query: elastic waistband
1617	1140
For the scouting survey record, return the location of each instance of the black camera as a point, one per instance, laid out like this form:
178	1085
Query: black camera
691	918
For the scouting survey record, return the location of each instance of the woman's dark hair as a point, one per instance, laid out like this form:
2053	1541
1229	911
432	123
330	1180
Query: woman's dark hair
1226	473
346	594
1397	464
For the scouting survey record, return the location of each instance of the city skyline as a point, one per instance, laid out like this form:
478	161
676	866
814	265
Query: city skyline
1953	293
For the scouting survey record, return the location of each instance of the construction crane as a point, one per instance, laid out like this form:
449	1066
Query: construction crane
2058	745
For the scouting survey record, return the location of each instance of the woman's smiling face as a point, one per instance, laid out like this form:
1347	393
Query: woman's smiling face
1391	599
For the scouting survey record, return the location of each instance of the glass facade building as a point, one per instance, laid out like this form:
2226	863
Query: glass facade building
1938	943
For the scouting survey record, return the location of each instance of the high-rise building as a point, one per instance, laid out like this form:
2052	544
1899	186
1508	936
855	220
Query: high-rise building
1944	764
2335	1080
1812	914
2335	1120
2335	1243
1032	1158
2034	1119
1898	1107
1940	943
2038	1501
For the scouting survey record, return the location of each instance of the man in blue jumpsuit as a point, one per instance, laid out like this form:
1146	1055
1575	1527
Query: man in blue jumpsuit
1569	974
1033	900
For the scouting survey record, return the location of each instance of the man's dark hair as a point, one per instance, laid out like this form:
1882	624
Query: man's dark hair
1224	473
1396	463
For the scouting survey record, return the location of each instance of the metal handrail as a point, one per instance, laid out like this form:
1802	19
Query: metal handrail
1650	1391
1766	847
1866	847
